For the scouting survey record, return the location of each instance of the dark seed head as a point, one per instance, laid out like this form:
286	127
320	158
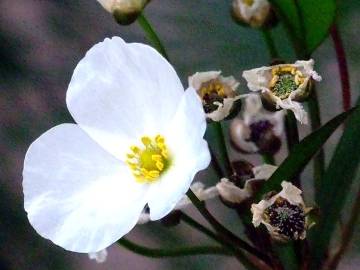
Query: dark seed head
209	100
287	218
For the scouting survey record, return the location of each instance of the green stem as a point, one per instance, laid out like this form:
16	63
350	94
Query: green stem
151	35
223	148
226	235
270	44
292	137
162	253
268	159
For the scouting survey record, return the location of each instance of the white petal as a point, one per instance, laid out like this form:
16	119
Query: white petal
122	91
99	257
107	4
240	136
300	114
291	193
190	154
196	80
231	193
76	194
264	171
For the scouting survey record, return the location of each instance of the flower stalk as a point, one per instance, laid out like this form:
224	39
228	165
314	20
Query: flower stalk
342	64
151	35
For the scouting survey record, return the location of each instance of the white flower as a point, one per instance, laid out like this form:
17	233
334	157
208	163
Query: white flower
202	193
252	12
235	195
217	93
99	257
138	140
283	214
257	130
284	85
124	11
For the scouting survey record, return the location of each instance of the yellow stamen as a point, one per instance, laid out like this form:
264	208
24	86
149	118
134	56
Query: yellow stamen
149	161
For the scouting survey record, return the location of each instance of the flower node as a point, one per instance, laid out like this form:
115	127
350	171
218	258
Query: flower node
287	218
285	80
148	162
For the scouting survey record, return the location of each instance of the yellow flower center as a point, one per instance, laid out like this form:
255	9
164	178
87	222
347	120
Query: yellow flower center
150	160
212	87
248	2
285	79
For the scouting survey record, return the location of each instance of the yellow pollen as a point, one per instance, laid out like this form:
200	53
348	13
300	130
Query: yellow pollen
213	86
248	2
150	160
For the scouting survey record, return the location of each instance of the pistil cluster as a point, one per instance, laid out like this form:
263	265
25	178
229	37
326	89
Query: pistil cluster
149	161
285	80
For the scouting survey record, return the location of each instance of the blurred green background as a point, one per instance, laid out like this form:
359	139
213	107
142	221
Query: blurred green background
41	41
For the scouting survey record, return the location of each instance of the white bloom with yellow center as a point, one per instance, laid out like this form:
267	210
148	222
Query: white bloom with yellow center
252	12
284	85
123	5
138	141
217	93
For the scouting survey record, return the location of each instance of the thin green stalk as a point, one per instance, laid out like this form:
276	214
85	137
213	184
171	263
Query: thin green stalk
224	233
268	159
151	35
270	43
223	148
193	223
175	252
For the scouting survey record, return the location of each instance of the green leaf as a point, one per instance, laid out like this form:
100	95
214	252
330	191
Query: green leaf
302	154
317	17
336	184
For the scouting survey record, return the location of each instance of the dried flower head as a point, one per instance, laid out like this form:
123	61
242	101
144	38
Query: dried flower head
283	214
285	85
257	130
217	93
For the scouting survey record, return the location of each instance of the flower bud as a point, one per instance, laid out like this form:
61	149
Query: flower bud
253	13
124	11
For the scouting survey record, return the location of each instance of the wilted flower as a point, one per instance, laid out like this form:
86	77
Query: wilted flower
255	13
99	257
124	11
217	93
138	141
285	85
283	214
257	130
233	192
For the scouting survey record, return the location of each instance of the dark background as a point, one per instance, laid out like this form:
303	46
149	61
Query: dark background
41	41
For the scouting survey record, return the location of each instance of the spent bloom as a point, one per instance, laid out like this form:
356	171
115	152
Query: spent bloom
138	142
251	12
257	130
124	11
217	93
283	214
284	85
237	189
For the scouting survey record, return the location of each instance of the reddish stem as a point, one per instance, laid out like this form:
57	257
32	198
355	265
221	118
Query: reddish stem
342	63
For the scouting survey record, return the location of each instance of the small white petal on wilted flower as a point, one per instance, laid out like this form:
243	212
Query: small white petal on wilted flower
252	12
202	193
138	140
284	85
283	214
217	93
246	131
235	195
99	257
